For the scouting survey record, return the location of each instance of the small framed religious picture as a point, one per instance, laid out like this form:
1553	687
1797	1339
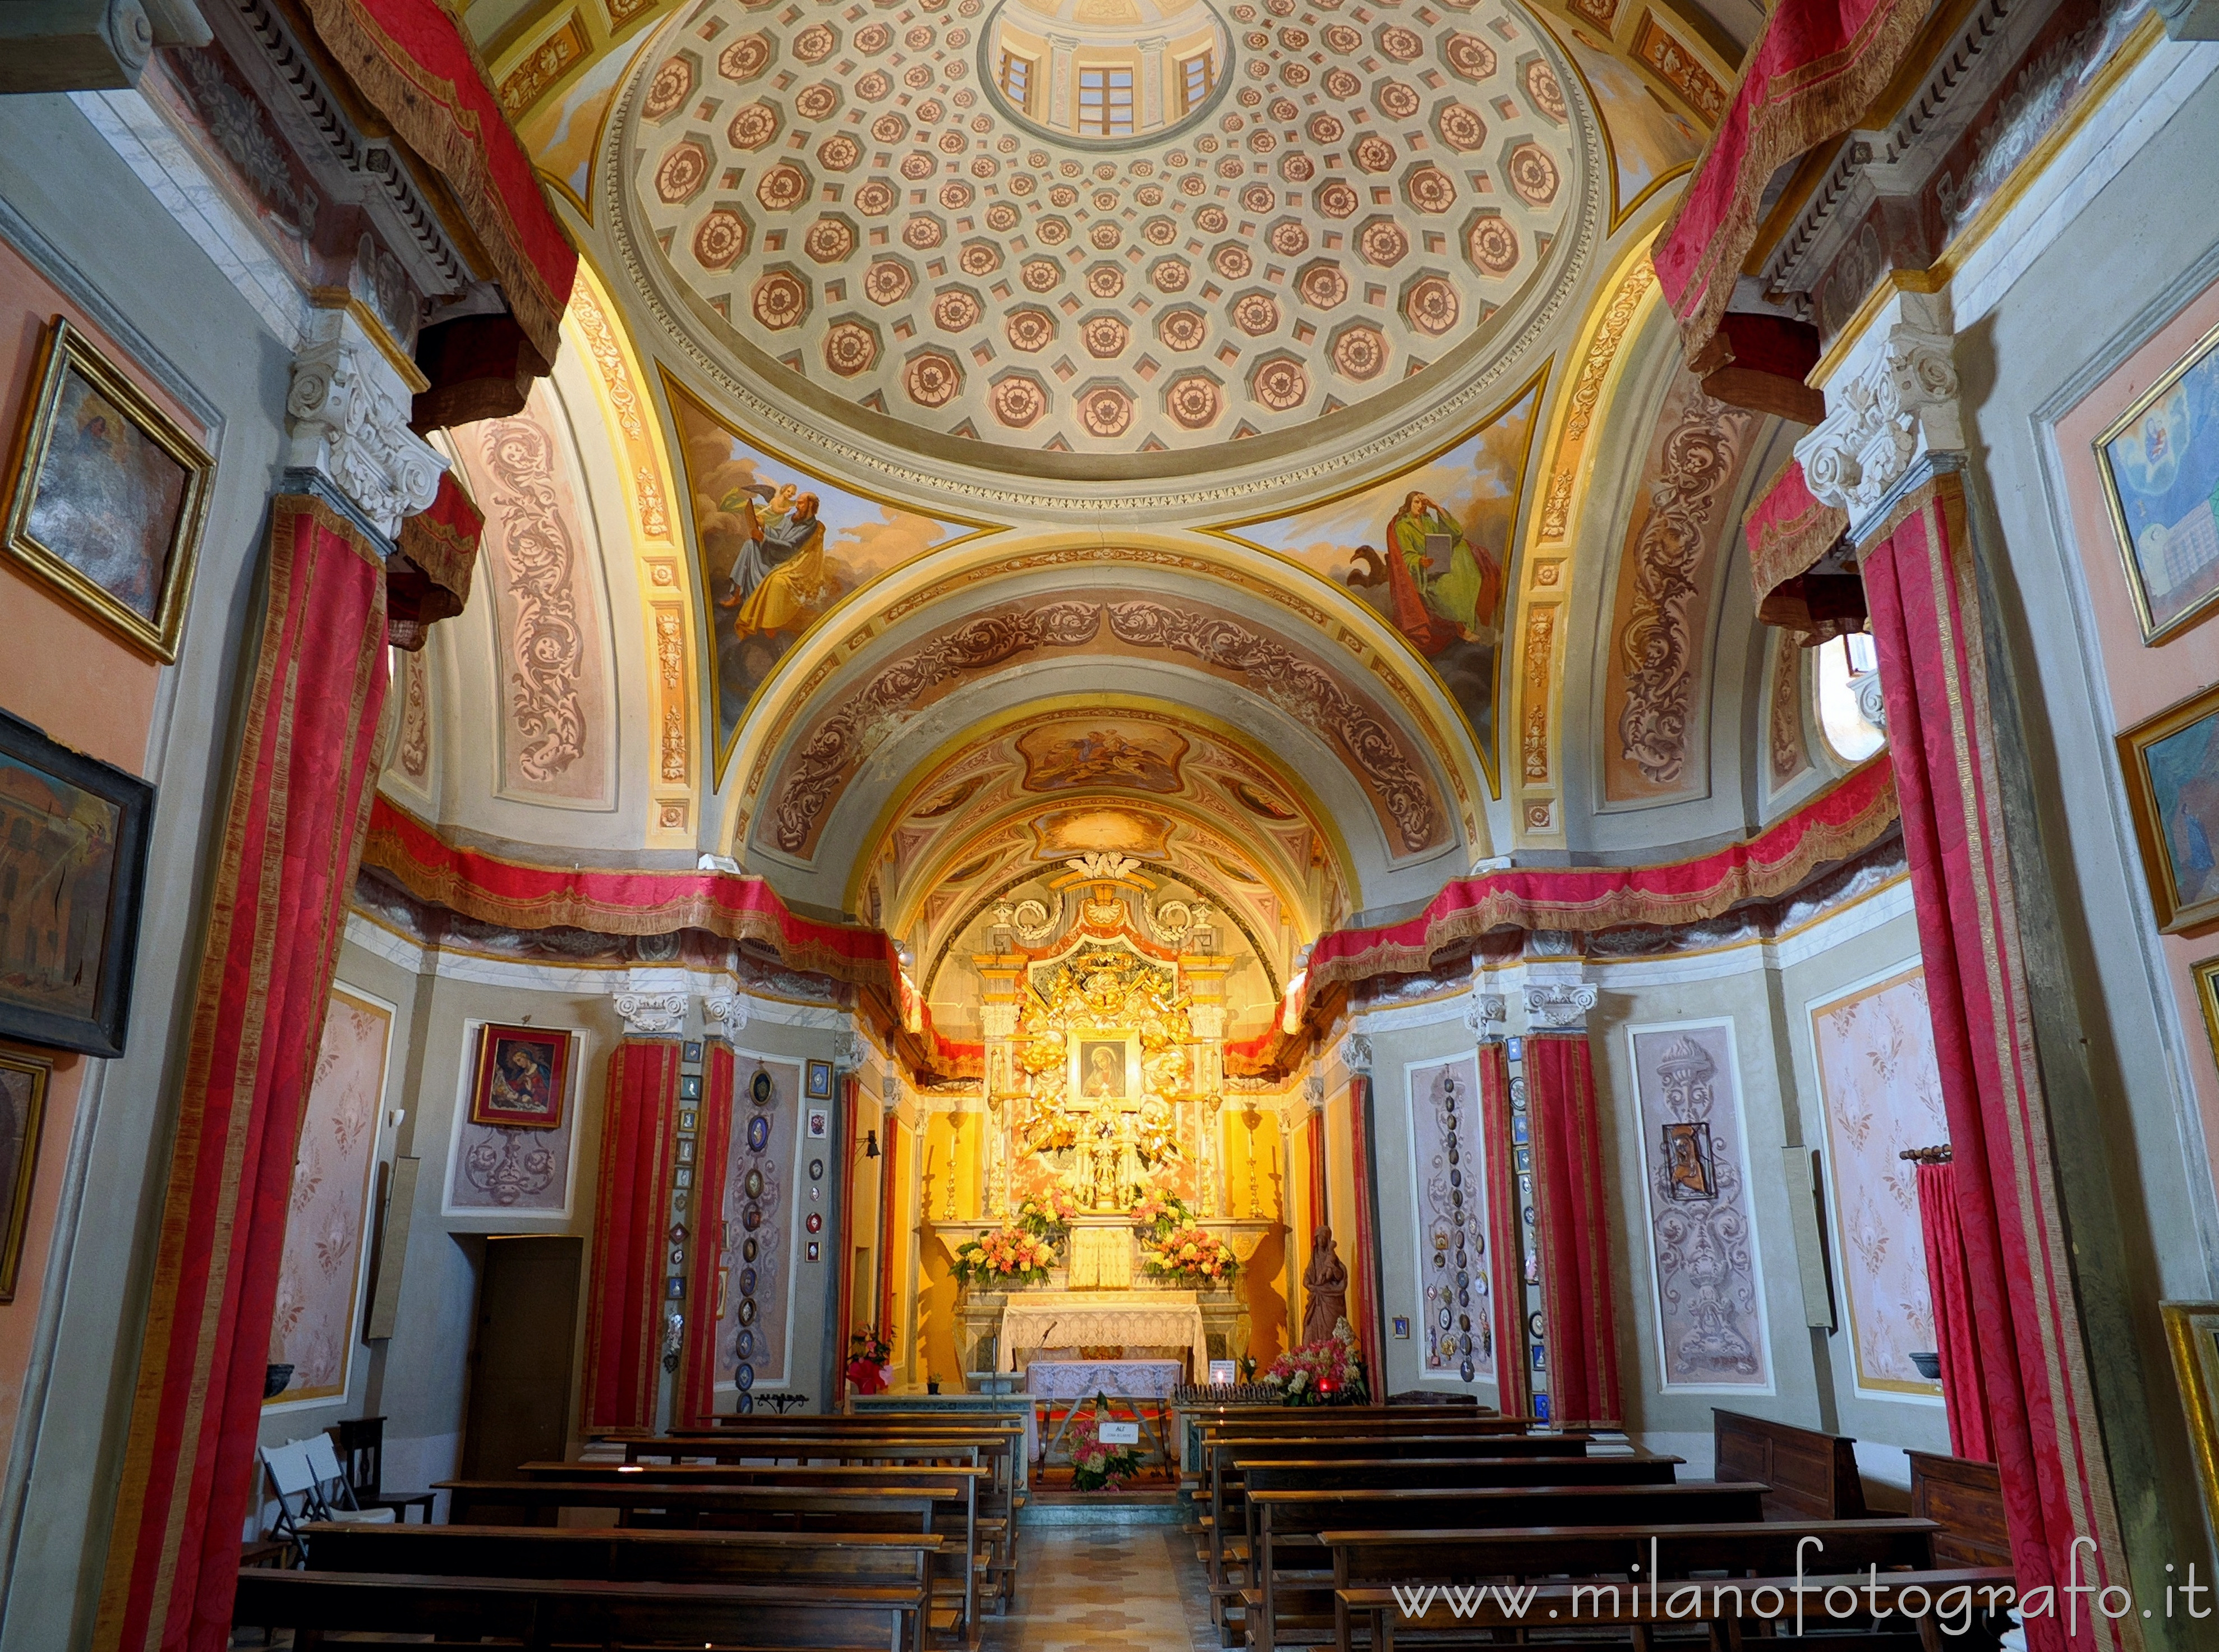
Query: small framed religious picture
76	833
2192	1329
690	1051
523	1077
820	1123
813	1251
686	1149
107	494
1401	1327
689	1087
22	1111
2172	766
816	1081
689	1118
2161	465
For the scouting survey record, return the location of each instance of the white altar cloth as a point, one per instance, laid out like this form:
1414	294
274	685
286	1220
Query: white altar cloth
1095	1319
1119	1379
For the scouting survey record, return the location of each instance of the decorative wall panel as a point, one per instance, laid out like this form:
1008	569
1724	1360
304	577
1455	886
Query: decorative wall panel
754	1347
320	1276
1448	1169
1881	1090
507	1170
1694	1157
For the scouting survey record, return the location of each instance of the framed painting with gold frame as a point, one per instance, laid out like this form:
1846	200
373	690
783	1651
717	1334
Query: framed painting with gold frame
23	1113
1105	1066
2171	763
2159	462
107	494
2193	1331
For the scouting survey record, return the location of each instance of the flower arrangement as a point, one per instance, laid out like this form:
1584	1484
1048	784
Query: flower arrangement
1047	1214
1095	1466
1008	1256
1190	1253
1329	1373
870	1362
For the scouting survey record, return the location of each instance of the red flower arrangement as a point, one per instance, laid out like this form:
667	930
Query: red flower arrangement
1329	1373
1007	1255
1094	1466
870	1362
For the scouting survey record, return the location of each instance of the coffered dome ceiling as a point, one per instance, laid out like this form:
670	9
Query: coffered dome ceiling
1045	242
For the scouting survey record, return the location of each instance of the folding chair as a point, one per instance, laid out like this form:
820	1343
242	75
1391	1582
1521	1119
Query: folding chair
295	1483
331	1495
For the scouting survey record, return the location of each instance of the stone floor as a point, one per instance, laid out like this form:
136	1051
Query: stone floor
1106	1588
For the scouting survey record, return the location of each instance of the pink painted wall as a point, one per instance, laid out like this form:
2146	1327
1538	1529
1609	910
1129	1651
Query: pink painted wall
2144	680
62	672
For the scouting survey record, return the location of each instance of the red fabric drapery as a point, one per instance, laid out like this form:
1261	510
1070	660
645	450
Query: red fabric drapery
624	1298
1514	1381
1922	582
1810	76
708	1293
1964	1384
410	60
300	793
1845	820
521	896
1578	1293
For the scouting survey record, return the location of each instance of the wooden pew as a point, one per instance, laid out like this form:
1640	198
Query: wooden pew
1285	1525
982	1536
1193	1422
1967	1499
630	1556
1813	1476
1723	1606
1221	1482
580	1611
731	1507
1378	1559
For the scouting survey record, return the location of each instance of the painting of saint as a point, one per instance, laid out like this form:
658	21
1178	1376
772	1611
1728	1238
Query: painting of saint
56	868
108	507
2161	465
1688	1162
1063	758
1429	550
1102	1069
778	547
520	1080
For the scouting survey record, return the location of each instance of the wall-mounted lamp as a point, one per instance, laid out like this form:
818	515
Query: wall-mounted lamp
870	1144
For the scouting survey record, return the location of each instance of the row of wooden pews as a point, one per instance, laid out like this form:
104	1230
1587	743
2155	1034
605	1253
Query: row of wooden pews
833	1534
1374	1527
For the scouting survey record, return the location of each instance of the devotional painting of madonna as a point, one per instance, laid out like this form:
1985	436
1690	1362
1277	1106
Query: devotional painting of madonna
1430	550
779	548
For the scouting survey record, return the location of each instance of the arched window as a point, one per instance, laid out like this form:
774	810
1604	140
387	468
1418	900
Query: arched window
1846	683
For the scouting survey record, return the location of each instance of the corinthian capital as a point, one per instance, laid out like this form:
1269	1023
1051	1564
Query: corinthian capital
348	415
1486	1012
1356	1052
1892	401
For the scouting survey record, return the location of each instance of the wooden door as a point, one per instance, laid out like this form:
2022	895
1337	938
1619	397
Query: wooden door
520	1355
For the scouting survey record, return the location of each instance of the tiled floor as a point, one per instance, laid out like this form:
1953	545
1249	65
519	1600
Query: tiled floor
1106	1588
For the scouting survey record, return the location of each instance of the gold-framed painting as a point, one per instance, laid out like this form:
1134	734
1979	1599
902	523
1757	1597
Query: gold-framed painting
23	1081
2171	762
1105	1067
2159	461
2191	1329
107	494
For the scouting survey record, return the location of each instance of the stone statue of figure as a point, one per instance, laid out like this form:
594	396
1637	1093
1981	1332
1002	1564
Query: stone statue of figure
1325	1287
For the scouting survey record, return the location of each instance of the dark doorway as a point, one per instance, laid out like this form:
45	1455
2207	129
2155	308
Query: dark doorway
520	1353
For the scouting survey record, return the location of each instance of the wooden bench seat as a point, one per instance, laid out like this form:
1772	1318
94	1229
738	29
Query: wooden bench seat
547	1612
1810	1476
1726	1606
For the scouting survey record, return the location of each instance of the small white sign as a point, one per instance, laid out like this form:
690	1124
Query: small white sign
1223	1373
1121	1433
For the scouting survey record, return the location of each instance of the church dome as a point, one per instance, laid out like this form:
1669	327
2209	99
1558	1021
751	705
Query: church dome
1102	241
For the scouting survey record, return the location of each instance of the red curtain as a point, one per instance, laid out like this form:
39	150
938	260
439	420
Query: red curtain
624	1301
1366	1321
300	794
1577	1289
1921	582
1514	1380
1964	1385
1809	78
708	1292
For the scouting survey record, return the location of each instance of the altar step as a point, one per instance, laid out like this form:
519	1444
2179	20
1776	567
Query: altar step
1063	1507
